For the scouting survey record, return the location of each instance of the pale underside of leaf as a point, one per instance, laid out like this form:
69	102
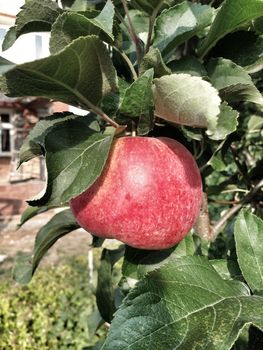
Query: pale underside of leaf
226	123
187	100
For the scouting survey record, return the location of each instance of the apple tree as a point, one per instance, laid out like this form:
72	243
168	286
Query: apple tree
185	70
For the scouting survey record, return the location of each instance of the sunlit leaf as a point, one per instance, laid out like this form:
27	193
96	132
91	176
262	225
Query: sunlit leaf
186	303
71	25
178	24
90	77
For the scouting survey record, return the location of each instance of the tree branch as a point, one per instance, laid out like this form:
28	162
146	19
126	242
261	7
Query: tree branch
218	226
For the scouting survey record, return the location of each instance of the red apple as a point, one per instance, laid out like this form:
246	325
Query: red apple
148	196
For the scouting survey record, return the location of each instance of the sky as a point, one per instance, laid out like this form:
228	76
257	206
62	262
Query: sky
10	7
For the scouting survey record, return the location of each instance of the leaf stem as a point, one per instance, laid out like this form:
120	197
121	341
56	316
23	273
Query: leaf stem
99	112
218	226
132	32
104	116
129	63
151	26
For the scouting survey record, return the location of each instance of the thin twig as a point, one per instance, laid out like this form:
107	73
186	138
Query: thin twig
151	26
118	14
217	227
129	63
132	32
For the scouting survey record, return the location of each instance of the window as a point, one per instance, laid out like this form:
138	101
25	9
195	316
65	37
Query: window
6	134
2	35
39	45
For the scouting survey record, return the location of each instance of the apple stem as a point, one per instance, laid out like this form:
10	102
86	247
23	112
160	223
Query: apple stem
133	131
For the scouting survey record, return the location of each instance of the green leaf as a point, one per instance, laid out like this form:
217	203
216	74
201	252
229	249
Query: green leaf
33	145
31	212
105	19
187	100
178	24
138	262
146	5
153	59
79	5
26	264
140	23
231	16
249	244
105	293
226	123
9	38
90	77
75	158
35	16
188	65
255	124
138	102
150	6
232	81
105	290
71	25
22	270
227	269
248	56
97	346
183	305
5	65
217	162
111	103
258	25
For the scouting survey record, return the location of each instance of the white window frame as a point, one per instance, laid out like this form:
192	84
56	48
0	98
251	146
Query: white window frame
7	126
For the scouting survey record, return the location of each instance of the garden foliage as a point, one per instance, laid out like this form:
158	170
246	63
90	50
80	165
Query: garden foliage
49	313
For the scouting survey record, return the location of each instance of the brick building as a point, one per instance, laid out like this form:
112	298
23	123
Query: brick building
17	118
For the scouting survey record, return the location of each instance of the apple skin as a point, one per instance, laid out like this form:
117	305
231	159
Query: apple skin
148	196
